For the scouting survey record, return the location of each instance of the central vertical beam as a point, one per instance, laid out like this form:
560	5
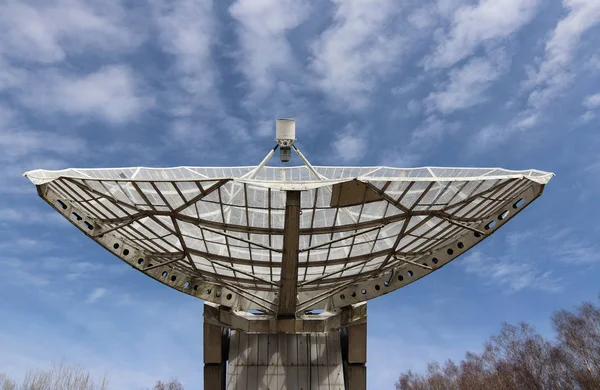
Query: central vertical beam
288	290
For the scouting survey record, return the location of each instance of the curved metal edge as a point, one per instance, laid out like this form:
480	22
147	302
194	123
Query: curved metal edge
215	293
404	275
138	259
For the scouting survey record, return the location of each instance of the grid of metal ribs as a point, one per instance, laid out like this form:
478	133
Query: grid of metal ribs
231	232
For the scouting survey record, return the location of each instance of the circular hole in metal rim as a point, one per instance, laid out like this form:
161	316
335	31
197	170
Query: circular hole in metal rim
518	203
490	225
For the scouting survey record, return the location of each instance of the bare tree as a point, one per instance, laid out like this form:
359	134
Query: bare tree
579	338
520	358
62	376
173	384
6	383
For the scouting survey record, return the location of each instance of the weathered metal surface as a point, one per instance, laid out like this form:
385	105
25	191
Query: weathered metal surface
357	343
305	323
352	193
285	362
288	292
357	377
219	236
212	343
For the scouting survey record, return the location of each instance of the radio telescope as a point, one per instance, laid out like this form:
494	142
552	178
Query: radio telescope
286	258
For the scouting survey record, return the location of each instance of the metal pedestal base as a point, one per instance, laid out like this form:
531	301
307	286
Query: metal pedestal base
285	361
237	360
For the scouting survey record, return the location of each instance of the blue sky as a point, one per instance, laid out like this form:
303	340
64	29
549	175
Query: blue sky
509	83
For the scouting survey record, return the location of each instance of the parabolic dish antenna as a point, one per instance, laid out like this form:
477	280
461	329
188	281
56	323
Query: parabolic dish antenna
285	257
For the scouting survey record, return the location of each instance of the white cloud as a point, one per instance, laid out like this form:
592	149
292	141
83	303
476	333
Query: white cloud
16	216
431	131
518	268
413	107
553	76
515	276
467	85
187	31
474	25
22	149
422	139
526	120
554	73
19	272
265	50
111	94
352	55
494	135
421	18
350	145
10	77
587	117
17	143
568	248
49	31
96	294
592	101
405	88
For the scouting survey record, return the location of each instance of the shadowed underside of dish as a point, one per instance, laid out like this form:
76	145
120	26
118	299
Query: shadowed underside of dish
218	233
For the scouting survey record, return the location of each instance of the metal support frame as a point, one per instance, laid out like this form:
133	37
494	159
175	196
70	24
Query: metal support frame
216	348
325	359
288	292
354	355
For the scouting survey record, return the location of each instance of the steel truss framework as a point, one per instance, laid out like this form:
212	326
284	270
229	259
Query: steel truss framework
267	246
235	237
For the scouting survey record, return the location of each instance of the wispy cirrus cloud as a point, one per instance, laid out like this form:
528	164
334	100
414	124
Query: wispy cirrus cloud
592	101
112	94
568	248
186	30
552	77
47	32
515	268
357	50
474	25
467	85
350	145
96	294
266	54
513	275
556	71
420	141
